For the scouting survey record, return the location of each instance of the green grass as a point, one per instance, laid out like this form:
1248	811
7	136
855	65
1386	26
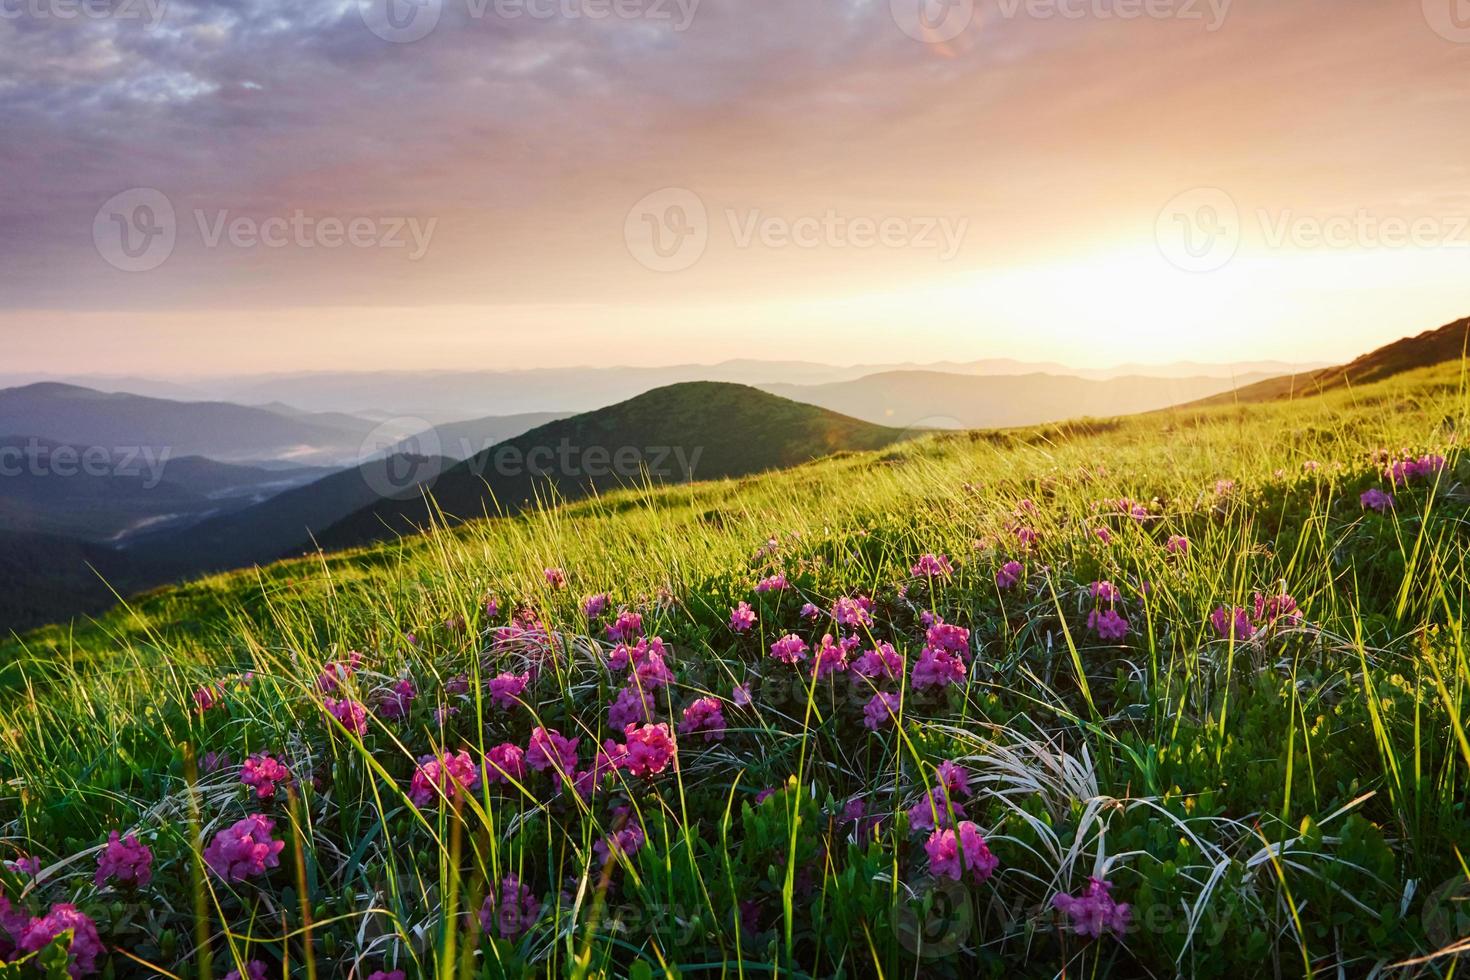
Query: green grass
1291	805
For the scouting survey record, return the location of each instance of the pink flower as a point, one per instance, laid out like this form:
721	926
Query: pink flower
254	970
884	663
1094	912
457	685
244	849
810	611
627	840
1425	467
448	775
938	808
1232	621
789	649
740	695
880	711
396	703
742	618
1107	624
1376	499
632	704
853	612
86	945
650	749
555	577
954	778
506	689
1103	535
1009	574
948	637
511	910
124	861
336	673
30	866
387	975
705	716
1027	537
213	762
505	762
932	566
651	670
952	853
1177	545
549	750
937	668
350	714
262	772
1104	592
626	628
772	583
1270	609
831	658
207	697
595	605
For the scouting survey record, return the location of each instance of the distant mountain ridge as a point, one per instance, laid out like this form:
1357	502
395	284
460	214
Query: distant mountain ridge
933	399
1447	343
695	430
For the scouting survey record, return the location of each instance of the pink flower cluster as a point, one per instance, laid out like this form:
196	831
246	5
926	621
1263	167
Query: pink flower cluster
790	649
1402	472
650	749
397	701
1376	499
245	849
262	772
853	612
626	840
942	803
34	935
632	705
1104	592
1093	911
548	749
505	762
506	689
627	627
1009	574
932	566
351	714
881	664
448	775
944	658
1108	624
953	853
124	861
831	658
595	605
555	578
880	711
1269	611
706	717
772	583
510	910
338	672
1177	545
742	618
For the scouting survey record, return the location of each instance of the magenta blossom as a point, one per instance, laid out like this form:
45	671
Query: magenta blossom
954	777
880	711
932	566
352	715
86	945
740	695
853	612
948	637
396	703
262	772
883	663
1269	610
506	689
595	605
245	849
457	685
790	649
549	750
742	618
1177	545
632	705
1107	624
1009	574
1103	535
1104	592
627	840
627	627
772	583
706	717
809	611
610	758
831	658
207	697
124	861
338	672
1236	622
1094	912
953	853
254	970
510	910
448	775
650	749
555	577
937	668
938	809
387	975
1376	499
505	762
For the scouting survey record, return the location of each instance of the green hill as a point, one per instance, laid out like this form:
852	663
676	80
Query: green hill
683	432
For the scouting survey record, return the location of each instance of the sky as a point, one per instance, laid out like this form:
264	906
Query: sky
195	188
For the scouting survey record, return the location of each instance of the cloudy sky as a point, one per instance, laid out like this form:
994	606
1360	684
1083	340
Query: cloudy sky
239	185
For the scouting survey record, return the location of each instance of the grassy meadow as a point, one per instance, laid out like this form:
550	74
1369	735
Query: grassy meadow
1284	796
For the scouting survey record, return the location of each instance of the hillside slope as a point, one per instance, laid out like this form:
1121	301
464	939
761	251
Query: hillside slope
1448	343
937	399
683	432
